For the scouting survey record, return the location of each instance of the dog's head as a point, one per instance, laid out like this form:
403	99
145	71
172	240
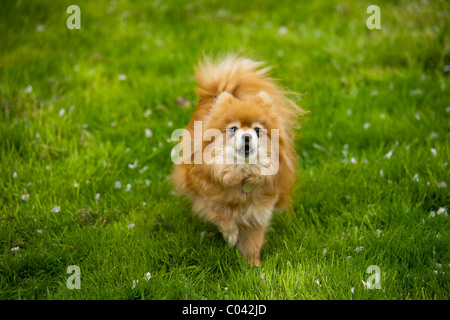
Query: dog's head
243	132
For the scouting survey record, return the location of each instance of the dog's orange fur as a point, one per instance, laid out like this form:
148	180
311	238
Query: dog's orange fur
216	190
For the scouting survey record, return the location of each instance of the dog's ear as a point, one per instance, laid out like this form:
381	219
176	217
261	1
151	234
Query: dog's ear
223	97
265	99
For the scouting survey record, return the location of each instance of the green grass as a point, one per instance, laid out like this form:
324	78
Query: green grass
370	92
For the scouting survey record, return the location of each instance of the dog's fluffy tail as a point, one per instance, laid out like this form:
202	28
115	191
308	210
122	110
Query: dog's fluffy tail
242	78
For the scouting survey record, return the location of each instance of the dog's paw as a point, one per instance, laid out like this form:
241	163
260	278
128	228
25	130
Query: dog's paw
231	236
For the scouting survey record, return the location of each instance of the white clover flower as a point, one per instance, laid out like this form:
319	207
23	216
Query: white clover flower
28	89
433	151
147	113
148	133
133	166
62	112
122	77
40	28
147	276
282	30
97	197
117	185
55	209
130	226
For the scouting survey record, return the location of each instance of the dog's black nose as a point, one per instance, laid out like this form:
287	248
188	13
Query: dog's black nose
247	137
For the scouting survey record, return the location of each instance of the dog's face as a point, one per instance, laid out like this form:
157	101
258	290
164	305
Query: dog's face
247	128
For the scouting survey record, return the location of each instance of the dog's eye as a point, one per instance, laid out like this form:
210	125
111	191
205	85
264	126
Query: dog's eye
257	131
233	129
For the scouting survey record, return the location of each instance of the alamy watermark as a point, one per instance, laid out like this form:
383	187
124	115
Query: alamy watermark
74	281
374	21
232	146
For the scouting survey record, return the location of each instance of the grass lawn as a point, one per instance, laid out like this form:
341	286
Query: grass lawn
85	121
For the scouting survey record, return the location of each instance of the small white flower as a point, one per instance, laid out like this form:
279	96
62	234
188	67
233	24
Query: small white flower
388	155
432	214
359	249
440	210
133	166
324	251
147	113
433	151
318	282
282	30
170	123
97	197
113	124
40	28
14	175
364	284
55	209
130	226
122	77
416	92
62	112
39	230
378	232
117	185
366	125
144	168
353	160
349	112
382	116
148	133
75	185
381	173
147	276
135	282
25	197
433	135
416	177
442	184
348	257
128	188
28	89
15	249
353	290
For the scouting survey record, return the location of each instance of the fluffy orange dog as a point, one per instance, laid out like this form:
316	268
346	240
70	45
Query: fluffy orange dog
241	164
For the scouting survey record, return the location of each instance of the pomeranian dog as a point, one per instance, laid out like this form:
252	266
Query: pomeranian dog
236	160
